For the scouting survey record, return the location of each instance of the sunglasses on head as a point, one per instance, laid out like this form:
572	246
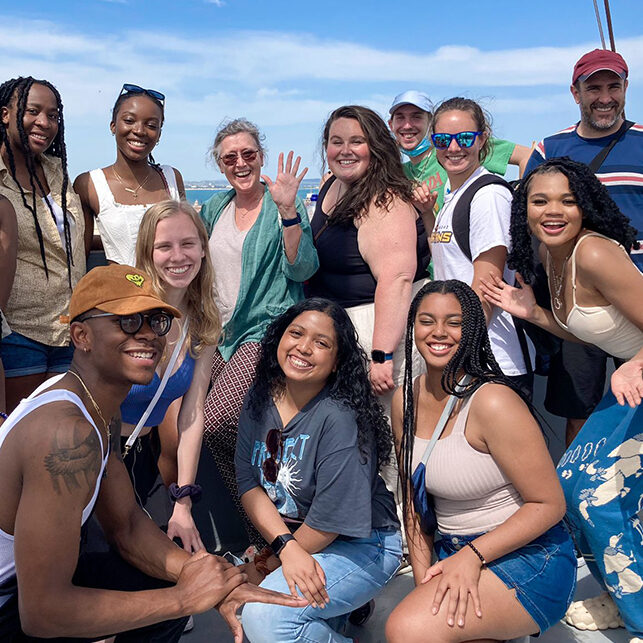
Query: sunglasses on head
135	89
464	139
275	445
247	155
159	322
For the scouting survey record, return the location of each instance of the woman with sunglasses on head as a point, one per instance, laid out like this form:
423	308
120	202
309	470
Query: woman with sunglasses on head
262	251
172	249
506	566
596	293
460	134
118	195
50	256
312	438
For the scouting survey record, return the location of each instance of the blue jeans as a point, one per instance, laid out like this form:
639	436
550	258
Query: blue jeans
356	569
602	478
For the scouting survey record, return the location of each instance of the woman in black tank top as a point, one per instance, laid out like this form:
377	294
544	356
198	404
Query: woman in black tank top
372	246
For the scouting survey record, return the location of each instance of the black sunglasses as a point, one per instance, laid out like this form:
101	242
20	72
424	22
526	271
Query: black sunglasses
275	445
136	89
159	322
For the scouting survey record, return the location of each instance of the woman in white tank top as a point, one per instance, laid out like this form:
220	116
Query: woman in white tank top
118	195
497	500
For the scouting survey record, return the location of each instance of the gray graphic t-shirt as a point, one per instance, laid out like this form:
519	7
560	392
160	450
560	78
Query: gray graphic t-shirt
324	479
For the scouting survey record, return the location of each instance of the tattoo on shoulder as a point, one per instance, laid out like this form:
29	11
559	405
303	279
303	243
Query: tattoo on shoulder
77	463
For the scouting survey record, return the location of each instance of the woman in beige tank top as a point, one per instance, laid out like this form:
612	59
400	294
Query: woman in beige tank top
506	566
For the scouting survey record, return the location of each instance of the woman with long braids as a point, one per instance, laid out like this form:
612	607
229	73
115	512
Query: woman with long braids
596	294
312	438
118	195
506	566
51	227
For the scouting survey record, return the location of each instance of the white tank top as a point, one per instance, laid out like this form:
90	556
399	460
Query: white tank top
117	223
33	402
603	326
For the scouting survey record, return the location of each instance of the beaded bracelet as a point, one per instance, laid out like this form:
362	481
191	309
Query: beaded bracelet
4	416
478	554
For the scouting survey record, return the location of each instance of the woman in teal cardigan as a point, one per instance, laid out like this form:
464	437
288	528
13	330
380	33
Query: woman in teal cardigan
262	250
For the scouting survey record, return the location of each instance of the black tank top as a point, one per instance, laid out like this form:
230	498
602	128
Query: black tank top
343	275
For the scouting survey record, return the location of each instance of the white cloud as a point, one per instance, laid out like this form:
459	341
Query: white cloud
216	3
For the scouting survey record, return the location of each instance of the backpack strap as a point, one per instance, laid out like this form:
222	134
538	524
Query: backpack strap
462	212
597	161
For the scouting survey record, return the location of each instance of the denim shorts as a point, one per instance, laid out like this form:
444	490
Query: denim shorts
23	356
543	573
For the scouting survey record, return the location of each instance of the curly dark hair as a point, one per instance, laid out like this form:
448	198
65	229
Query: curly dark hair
16	91
481	118
473	357
385	178
600	213
348	384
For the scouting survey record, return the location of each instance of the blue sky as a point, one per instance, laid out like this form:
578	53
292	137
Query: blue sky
286	65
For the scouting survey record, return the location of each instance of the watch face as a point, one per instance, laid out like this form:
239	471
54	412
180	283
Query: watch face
378	356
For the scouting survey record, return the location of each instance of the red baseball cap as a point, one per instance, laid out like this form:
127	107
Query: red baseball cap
599	60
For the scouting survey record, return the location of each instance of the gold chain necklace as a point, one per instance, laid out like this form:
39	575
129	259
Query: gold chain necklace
96	407
132	191
557	281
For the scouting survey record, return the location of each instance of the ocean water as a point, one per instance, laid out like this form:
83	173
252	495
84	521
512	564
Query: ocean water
203	195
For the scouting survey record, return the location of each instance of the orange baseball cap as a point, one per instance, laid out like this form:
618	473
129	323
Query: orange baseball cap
117	289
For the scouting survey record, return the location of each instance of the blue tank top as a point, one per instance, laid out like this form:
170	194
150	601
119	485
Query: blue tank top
140	395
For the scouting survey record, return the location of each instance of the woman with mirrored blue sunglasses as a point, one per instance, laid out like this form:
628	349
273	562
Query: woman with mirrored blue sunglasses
116	196
476	213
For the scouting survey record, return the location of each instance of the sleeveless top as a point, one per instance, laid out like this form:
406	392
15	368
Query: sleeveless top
603	326
117	223
343	275
28	405
472	495
140	395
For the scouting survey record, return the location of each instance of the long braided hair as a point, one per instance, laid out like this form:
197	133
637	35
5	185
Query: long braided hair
473	357
600	212
17	89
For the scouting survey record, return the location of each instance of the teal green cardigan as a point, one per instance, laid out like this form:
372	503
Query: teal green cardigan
270	284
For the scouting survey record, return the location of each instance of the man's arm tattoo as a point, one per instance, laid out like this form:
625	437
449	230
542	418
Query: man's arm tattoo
80	462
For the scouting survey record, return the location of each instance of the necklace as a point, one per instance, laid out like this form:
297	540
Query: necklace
557	281
96	407
132	191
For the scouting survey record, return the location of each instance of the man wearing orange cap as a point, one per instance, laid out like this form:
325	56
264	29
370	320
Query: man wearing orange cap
55	457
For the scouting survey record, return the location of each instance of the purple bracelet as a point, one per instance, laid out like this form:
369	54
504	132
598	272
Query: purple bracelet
191	490
4	416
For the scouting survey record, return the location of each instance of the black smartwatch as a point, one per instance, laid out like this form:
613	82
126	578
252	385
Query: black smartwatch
286	223
379	357
280	542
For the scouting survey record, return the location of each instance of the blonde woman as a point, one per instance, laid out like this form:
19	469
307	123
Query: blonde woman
172	248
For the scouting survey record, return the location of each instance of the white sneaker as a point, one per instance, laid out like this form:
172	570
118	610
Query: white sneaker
598	613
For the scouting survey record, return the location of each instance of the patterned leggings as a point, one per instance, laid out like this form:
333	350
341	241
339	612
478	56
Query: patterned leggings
230	383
